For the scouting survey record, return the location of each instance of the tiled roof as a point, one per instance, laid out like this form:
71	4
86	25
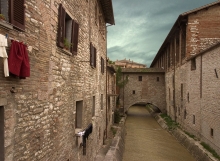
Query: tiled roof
142	70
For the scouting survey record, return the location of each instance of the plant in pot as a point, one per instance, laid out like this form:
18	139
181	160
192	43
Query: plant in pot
2	17
67	44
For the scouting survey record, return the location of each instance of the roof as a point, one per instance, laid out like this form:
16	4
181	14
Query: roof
111	68
128	61
108	11
182	18
142	70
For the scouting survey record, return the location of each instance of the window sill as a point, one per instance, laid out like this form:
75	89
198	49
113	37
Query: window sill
77	130
6	25
67	52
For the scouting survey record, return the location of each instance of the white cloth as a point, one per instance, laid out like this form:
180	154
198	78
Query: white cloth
3	53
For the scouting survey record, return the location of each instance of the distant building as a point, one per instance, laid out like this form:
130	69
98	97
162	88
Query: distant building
129	64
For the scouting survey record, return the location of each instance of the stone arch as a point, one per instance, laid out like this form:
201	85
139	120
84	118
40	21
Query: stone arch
155	106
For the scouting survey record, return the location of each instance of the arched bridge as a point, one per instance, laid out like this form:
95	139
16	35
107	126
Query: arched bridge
145	85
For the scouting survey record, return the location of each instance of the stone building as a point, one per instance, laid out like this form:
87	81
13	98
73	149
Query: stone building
190	57
129	64
111	95
144	85
66	90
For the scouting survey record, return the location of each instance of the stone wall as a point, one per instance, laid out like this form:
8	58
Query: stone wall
197	112
151	88
40	114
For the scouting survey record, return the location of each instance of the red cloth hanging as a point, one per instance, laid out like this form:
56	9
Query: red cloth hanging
25	66
18	61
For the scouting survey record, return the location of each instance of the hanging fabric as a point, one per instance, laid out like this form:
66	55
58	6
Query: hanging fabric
18	60
3	53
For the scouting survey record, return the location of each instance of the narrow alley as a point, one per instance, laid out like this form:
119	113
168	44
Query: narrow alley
147	141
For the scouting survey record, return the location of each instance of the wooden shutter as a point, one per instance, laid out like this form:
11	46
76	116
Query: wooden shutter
61	26
74	38
17	13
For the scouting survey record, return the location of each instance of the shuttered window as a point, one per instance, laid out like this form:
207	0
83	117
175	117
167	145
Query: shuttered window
16	13
92	56
68	31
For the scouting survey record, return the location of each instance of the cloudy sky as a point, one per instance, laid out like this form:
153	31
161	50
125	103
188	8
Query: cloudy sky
141	26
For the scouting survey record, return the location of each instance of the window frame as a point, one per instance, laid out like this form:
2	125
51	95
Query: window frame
63	18
140	78
92	56
102	66
14	12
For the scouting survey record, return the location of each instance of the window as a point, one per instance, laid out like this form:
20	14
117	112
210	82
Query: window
68	31
92	56
140	78
101	101
212	132
193	64
133	91
2	132
216	73
79	110
188	97
14	12
194	119
102	65
158	79
181	91
93	106
185	114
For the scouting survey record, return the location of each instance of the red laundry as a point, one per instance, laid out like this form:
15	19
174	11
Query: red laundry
18	61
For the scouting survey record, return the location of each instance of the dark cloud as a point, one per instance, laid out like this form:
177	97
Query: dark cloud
142	26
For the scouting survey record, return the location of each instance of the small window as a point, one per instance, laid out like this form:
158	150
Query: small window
93	106
188	97
216	73
92	56
68	31
101	101
140	78
79	110
185	114
194	119
181	91
102	65
193	64
2	133
212	132
158	79
133	91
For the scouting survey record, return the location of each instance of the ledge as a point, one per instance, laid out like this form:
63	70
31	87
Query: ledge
6	25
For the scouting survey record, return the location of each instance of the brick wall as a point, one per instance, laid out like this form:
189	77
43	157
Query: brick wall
202	30
40	115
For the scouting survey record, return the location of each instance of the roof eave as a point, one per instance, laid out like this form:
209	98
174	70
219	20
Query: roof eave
108	11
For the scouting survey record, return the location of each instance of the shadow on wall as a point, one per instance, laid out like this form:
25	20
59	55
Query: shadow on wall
147	105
